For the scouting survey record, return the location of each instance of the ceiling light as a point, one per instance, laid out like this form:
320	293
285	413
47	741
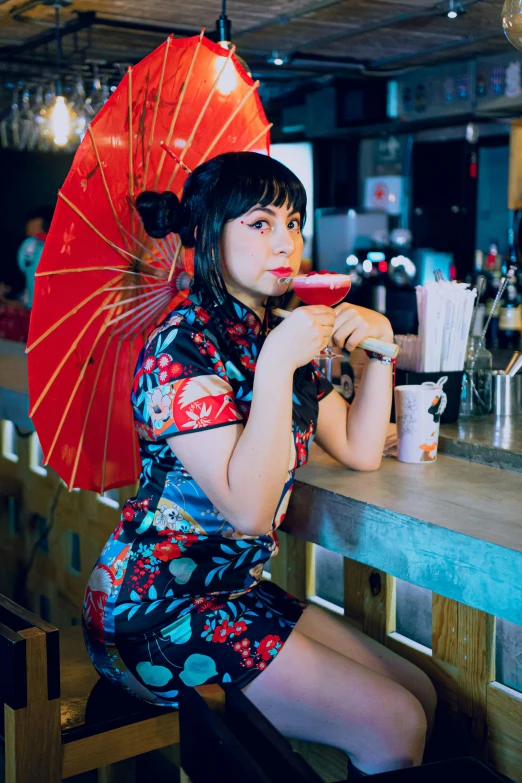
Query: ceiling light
278	59
454	9
224	37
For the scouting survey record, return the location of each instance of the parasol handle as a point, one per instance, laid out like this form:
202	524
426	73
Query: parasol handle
369	344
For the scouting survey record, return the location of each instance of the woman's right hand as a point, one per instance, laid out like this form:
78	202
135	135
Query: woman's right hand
301	336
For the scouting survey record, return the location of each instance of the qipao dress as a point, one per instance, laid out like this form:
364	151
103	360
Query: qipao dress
177	597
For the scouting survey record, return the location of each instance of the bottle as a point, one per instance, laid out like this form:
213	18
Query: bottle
493	284
477	383
509	322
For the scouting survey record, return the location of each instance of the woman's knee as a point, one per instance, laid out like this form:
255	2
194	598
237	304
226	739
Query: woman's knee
402	731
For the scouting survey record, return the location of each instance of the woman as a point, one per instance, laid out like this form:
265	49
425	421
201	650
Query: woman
227	402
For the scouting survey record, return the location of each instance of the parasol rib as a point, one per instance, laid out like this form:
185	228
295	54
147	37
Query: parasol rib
259	136
131	162
140	309
164	258
71	350
131	299
200	116
109	412
106	187
120	250
143	316
124	271
87	414
236	111
174	262
156	107
71	313
136	287
75	389
178	107
173	155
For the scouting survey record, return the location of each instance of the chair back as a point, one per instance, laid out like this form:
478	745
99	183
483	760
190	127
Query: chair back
267	746
208	749
17	628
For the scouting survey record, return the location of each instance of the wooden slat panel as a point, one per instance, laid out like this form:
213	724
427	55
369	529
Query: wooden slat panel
289	566
475	637
505	729
369	599
443	676
444	629
91	753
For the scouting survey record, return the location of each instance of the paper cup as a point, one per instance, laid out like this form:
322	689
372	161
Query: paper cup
418	410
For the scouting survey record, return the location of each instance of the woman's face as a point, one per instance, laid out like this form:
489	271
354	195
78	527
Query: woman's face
258	249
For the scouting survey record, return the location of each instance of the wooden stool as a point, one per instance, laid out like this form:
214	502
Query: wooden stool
60	718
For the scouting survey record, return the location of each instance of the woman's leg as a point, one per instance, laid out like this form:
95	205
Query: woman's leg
344	638
314	693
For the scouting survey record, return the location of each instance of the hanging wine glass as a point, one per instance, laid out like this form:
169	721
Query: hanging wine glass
512	22
26	119
36	108
45	141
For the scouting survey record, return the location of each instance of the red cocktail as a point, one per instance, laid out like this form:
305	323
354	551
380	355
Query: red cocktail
322	288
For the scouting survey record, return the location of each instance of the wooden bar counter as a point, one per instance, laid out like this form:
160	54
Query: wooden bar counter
452	526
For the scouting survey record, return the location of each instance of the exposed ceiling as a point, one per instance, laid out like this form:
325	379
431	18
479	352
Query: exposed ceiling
318	38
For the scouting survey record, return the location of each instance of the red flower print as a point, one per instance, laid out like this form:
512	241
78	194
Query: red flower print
237	647
267	644
128	514
245	653
149	364
176	369
261	665
240	329
245	642
167	550
249	663
247	362
164	361
164	376
198	339
221	632
239	627
201	315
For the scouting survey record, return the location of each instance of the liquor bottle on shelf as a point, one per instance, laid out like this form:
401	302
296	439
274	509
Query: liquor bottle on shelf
510	322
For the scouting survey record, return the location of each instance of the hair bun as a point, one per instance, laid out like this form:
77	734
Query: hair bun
160	213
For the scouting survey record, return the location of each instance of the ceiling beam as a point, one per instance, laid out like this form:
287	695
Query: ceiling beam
283	19
83	21
439	49
392	21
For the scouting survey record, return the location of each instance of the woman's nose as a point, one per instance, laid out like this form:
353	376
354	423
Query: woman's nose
283	242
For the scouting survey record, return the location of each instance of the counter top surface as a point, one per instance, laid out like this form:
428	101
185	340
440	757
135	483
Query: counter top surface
489	440
475	500
451	526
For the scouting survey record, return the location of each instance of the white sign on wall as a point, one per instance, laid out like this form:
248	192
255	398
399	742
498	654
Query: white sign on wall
384	194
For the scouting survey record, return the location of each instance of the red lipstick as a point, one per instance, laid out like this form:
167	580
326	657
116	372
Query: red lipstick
282	271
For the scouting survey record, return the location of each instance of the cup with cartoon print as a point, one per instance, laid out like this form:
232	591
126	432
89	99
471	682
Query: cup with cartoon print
418	411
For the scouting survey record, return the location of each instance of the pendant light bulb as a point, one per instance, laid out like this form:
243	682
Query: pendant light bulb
60	122
229	79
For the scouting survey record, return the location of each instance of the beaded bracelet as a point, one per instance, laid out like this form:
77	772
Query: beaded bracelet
383	360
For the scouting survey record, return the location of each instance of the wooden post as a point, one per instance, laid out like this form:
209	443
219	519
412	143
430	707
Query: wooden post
289	568
515	166
33	733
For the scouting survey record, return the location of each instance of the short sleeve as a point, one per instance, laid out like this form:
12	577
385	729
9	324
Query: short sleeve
324	387
181	385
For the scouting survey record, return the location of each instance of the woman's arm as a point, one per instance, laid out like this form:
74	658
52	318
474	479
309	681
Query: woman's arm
355	435
243	469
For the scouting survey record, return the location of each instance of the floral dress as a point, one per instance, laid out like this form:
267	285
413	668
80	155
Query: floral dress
176	597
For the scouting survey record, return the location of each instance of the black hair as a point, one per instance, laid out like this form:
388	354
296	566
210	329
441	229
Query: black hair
44	212
217	191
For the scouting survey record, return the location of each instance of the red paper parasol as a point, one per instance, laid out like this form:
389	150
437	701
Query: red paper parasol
102	283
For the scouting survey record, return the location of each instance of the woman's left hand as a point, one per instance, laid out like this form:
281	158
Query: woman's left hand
353	324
